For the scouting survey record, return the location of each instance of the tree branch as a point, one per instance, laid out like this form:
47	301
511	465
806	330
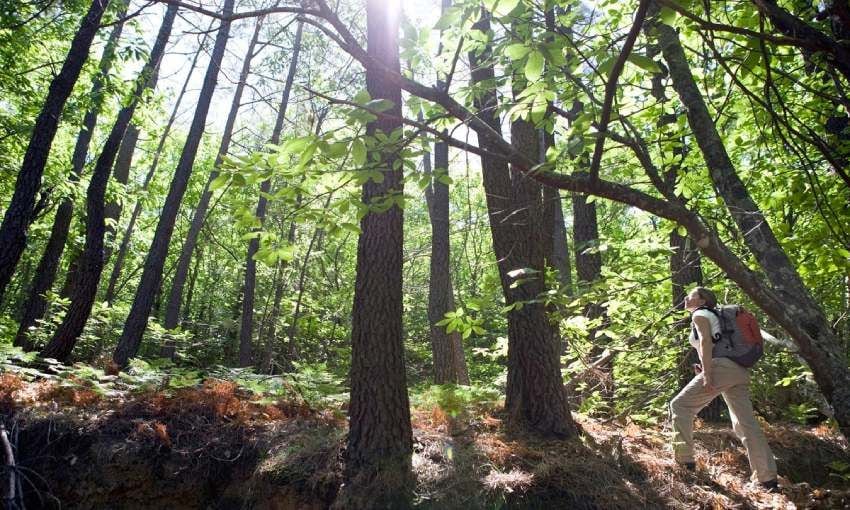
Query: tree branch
611	86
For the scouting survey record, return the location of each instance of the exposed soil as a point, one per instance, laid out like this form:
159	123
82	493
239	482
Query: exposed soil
210	447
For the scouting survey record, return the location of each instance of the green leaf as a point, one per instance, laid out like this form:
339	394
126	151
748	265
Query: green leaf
504	7
219	182
517	51
644	62
379	105
668	15
534	66
358	152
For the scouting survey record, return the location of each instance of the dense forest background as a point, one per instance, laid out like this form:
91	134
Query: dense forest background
373	205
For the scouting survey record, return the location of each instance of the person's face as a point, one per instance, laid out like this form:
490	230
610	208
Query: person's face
693	301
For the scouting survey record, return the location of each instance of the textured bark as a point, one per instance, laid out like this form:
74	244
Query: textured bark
589	271
118	265
20	213
586	240
380	439
91	261
537	399
121	172
134	327
802	317
172	311
45	275
246	333
199	216
558	256
447	348
812	40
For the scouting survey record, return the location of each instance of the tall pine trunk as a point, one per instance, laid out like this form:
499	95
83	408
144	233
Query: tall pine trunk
175	296
536	399
131	336
118	265
380	439
19	214
91	260
800	315
246	332
45	275
447	348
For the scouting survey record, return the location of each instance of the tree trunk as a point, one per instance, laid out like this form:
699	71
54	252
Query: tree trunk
45	275
175	296
558	256
21	210
121	172
247	330
91	260
800	314
134	328
380	439
137	209
447	348
537	400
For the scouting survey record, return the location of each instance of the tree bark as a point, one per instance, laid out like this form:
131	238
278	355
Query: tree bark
137	209
380	439
536	399
91	261
45	275
175	296
802	317
246	333
447	348
20	213
134	327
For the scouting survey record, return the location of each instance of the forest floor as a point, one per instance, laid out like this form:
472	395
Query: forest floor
215	446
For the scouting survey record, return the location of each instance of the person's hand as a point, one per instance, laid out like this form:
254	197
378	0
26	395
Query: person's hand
697	368
708	384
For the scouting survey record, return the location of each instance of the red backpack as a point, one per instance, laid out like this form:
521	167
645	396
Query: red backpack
740	336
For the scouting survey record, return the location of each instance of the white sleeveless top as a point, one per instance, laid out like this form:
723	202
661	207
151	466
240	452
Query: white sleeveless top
713	321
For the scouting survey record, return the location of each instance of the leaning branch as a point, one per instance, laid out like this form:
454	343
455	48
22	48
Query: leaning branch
611	86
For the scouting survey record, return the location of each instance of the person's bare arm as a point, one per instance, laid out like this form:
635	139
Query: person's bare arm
705	347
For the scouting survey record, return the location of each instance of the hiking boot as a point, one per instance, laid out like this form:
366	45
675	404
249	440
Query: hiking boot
770	486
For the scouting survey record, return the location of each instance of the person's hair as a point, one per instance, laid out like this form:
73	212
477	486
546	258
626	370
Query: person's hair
708	296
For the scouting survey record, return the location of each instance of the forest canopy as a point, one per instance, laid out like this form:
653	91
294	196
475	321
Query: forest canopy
506	197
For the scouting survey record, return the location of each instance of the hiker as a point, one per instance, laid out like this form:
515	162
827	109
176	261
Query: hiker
718	375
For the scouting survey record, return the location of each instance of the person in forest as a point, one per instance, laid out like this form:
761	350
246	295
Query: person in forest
716	375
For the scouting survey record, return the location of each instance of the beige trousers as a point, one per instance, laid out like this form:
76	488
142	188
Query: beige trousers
733	382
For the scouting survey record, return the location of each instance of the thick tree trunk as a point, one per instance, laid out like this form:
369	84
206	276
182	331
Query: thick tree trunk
134	327
380	438
91	260
537	399
19	214
800	314
175	296
137	209
45	275
246	333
